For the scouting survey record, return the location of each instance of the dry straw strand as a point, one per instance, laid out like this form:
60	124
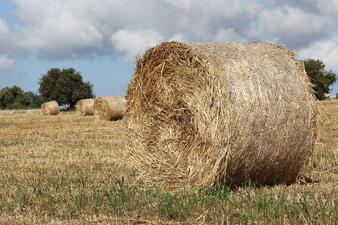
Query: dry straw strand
85	107
204	114
50	108
109	107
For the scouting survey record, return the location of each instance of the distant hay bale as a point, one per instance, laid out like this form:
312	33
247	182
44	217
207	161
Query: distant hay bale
50	108
109	107
85	107
204	114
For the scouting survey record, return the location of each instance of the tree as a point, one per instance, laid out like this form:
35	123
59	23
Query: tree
9	95
15	98
30	100
65	86
320	79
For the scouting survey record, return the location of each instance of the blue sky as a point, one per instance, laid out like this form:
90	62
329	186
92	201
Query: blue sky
109	75
102	39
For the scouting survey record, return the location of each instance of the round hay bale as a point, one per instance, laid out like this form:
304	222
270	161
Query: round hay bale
203	114
85	107
50	108
109	107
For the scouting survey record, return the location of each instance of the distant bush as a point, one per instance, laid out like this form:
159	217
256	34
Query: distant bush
15	98
16	105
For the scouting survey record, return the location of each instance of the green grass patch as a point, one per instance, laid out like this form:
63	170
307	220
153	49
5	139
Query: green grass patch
8	143
71	193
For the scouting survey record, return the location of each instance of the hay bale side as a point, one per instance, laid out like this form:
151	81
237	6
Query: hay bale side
109	107
85	107
203	114
50	108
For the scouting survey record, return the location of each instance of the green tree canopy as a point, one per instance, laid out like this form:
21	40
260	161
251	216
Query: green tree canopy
15	98
65	86
9	95
30	100
319	77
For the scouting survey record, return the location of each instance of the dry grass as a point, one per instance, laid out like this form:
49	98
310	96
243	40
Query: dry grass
71	170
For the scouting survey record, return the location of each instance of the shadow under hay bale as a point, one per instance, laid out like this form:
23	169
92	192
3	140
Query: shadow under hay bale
85	107
50	108
204	114
109	108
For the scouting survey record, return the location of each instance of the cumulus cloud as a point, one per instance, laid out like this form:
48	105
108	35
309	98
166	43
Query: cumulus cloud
181	4
3	28
62	29
179	37
132	43
61	37
290	26
6	62
326	50
328	6
228	34
55	29
223	8
8	43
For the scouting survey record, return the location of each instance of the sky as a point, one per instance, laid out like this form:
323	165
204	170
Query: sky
102	39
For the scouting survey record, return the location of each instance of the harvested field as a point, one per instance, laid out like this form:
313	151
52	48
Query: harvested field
71	170
20	111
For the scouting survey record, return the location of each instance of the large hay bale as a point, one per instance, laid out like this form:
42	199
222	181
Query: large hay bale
50	108
203	114
85	107
109	107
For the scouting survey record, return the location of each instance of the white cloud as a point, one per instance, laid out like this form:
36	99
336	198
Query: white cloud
178	37
326	50
223	8
6	62
55	29
291	26
328	6
228	34
133	43
60	37
62	28
181	4
228	8
3	28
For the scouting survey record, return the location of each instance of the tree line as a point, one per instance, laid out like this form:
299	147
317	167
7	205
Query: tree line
66	86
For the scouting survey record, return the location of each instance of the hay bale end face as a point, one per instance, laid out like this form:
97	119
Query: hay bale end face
50	108
109	108
203	114
85	107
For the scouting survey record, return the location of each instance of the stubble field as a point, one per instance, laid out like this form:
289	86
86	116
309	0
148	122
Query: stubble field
68	169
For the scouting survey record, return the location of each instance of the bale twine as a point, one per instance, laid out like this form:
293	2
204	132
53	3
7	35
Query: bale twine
203	114
109	108
85	107
50	108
